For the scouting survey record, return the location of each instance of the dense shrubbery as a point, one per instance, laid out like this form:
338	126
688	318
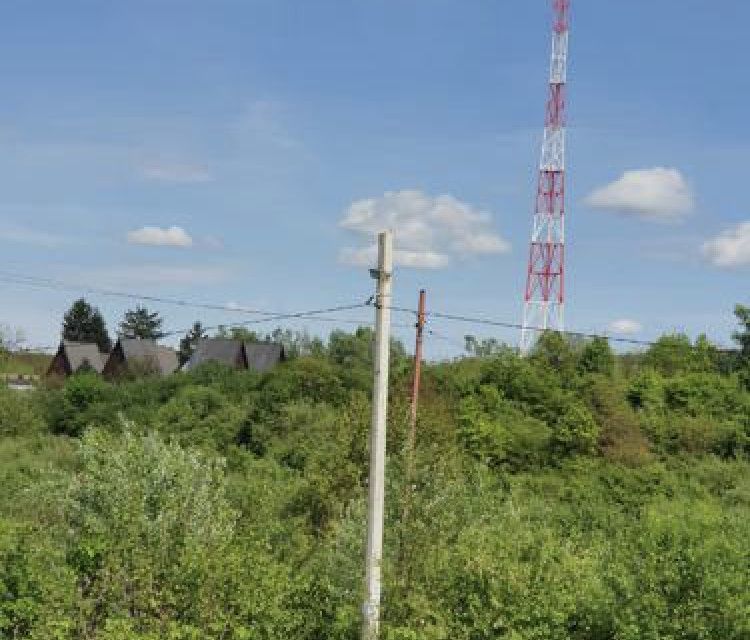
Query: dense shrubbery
572	494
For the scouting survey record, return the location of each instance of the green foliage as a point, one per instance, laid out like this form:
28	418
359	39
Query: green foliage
82	402
37	589
675	354
200	415
575	494
296	343
141	323
148	525
20	414
646	391
555	352
484	347
597	357
23	362
742	336
189	342
500	435
84	323
575	431
237	333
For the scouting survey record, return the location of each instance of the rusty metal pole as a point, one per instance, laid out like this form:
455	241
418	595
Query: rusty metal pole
412	437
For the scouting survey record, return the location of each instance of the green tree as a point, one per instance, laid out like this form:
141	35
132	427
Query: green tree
575	432
237	333
296	343
742	337
85	323
85	400
675	354
149	527
189	342
200	415
141	323
484	347
597	357
495	432
555	351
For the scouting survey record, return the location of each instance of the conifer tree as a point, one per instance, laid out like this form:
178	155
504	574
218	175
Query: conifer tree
141	323
84	323
189	342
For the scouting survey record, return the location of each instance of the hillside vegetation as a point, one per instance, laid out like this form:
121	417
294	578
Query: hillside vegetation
574	494
23	363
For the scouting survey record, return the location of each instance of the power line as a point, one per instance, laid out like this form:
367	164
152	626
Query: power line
50	283
311	314
268	316
514	325
316	314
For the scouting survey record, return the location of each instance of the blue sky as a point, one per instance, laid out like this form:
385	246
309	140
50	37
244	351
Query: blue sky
256	128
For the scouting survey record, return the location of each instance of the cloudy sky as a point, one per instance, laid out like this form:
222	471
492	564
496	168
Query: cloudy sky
244	154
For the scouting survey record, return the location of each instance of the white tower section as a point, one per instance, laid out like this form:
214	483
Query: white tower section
544	299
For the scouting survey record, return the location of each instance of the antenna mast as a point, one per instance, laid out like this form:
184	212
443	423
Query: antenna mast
544	297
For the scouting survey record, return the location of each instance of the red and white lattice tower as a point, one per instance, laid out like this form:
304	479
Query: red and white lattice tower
545	281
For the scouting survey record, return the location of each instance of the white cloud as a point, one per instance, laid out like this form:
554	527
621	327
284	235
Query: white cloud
731	248
236	306
180	172
161	237
429	231
625	326
658	194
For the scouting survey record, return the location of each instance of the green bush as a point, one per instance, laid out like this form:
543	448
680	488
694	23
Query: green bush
572	494
200	415
85	400
148	527
498	434
20	413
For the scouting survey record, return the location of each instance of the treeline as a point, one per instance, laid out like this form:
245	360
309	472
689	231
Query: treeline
575	493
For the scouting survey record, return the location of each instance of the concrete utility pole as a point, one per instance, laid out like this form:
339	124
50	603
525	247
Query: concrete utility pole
412	437
376	500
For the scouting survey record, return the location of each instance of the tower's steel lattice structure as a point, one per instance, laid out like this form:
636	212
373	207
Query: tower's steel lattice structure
544	298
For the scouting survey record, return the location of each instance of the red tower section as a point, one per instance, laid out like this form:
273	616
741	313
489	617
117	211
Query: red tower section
544	298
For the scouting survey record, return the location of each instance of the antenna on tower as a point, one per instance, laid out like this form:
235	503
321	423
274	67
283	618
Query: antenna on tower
544	297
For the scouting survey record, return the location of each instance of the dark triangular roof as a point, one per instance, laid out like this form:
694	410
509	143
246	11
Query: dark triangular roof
164	358
256	356
79	354
262	356
222	350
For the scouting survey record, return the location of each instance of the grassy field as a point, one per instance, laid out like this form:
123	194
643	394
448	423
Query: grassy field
24	363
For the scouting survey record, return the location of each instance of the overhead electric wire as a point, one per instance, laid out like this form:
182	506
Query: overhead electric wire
311	314
515	325
268	316
314	314
50	283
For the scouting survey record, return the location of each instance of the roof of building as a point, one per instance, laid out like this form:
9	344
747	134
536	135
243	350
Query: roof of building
144	349
254	355
222	350
262	356
79	354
